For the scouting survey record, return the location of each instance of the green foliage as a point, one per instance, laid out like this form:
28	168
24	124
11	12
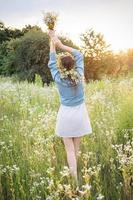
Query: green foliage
3	54
38	80
99	60
7	57
94	45
28	55
95	50
7	33
28	28
130	59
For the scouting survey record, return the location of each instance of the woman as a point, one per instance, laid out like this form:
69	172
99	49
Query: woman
72	119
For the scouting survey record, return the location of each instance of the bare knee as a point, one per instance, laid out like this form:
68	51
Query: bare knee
76	142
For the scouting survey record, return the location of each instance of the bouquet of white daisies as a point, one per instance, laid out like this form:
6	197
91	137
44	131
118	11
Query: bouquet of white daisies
50	19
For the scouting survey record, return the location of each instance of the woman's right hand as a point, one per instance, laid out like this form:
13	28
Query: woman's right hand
55	38
57	42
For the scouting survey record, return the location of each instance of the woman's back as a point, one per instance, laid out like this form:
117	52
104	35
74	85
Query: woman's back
69	95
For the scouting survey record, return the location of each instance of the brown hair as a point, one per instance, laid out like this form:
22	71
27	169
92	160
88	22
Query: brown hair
68	63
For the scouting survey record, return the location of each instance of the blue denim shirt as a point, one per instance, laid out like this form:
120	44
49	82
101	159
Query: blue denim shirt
69	95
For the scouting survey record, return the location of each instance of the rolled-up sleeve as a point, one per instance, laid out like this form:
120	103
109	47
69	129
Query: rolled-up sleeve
79	60
52	65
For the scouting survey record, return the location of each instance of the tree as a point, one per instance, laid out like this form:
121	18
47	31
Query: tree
2	25
28	28
8	33
121	64
130	59
95	49
29	55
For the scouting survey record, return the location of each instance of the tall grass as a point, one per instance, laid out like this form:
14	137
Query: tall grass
33	161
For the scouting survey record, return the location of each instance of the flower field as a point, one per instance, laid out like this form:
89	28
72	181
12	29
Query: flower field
33	161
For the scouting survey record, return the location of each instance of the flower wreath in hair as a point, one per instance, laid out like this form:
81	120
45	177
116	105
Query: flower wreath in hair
75	76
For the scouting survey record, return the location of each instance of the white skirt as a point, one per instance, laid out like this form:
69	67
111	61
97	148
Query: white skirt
73	121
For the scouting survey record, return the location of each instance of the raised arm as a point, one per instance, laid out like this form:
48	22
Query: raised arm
79	58
52	64
52	46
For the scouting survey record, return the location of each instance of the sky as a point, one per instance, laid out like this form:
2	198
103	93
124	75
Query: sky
112	18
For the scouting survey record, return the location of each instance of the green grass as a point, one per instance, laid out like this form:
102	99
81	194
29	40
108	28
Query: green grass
33	161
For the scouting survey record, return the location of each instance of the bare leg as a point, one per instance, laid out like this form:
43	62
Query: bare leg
71	157
76	141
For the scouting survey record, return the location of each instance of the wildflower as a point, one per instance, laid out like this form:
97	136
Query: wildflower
15	168
65	171
82	192
49	198
50	170
87	186
50	19
60	187
100	196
